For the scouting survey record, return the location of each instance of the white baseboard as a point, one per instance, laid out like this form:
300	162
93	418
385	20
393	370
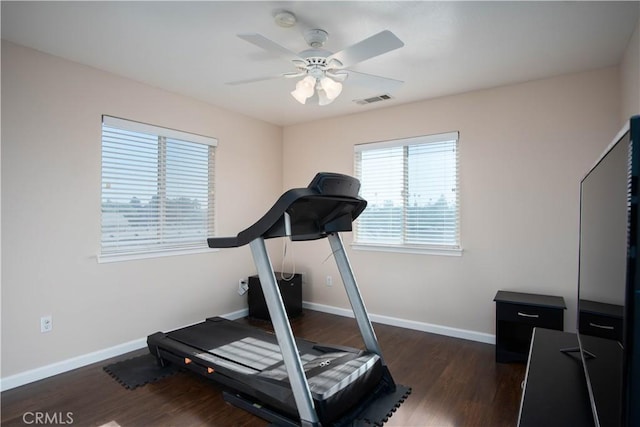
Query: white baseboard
43	372
408	324
37	374
67	365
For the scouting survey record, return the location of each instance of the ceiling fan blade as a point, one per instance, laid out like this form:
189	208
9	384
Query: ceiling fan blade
378	83
270	46
264	78
383	42
339	76
253	80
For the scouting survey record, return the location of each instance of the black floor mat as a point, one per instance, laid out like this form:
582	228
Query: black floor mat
373	413
384	408
138	371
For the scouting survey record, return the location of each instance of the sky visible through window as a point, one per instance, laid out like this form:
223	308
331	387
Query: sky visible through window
411	193
155	190
426	164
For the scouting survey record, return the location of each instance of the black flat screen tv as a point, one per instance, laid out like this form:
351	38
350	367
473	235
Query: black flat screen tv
609	281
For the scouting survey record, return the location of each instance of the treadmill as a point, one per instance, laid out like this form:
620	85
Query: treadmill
285	380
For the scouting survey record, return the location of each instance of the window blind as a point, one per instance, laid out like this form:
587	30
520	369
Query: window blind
411	186
157	189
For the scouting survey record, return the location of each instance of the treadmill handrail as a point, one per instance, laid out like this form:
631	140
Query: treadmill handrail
329	204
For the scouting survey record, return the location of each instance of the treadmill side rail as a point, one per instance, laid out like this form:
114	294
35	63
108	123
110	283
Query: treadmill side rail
355	298
284	335
357	303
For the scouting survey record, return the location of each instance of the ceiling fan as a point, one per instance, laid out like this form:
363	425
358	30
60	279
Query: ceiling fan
322	71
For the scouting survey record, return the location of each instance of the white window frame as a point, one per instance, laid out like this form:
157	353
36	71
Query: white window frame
404	247
166	248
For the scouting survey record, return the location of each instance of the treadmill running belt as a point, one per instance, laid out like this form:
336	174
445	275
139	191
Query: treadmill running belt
251	352
241	344
332	374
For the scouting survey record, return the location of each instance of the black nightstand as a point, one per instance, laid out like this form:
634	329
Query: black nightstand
517	314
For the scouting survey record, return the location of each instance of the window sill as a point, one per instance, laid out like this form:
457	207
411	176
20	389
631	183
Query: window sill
104	259
407	249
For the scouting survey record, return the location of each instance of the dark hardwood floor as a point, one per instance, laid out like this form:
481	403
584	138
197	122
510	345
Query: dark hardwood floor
455	383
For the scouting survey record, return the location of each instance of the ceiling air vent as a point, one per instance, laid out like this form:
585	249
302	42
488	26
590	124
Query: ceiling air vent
373	99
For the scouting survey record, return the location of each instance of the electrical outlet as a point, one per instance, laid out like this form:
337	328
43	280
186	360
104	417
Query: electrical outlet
46	324
329	281
243	286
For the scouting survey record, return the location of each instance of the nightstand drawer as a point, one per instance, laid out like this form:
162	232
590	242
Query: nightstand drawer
599	325
541	317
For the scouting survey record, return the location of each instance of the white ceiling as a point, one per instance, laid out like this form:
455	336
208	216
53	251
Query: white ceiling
450	47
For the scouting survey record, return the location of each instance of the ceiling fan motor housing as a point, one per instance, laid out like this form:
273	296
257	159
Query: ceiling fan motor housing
316	38
317	58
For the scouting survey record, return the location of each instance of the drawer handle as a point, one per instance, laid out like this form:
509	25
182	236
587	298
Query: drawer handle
595	325
535	316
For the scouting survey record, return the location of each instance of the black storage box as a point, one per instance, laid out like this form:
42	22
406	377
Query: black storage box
291	291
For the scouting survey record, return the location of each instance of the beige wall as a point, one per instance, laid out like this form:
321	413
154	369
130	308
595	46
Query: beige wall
51	118
523	149
630	77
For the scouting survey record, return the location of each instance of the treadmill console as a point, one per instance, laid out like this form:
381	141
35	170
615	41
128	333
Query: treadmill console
335	184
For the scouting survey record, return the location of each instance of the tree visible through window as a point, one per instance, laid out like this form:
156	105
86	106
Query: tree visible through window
157	189
411	186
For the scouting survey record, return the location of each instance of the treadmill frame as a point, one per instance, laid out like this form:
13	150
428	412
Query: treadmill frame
284	334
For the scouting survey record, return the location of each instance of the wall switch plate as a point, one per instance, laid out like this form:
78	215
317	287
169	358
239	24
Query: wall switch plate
46	324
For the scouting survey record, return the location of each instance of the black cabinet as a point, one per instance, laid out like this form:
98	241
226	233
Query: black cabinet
600	320
290	288
517	314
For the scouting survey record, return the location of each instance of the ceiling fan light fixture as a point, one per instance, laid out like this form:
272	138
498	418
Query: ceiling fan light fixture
304	89
323	99
300	96
331	87
327	89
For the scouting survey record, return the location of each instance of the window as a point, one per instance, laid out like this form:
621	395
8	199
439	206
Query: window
157	190
411	186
